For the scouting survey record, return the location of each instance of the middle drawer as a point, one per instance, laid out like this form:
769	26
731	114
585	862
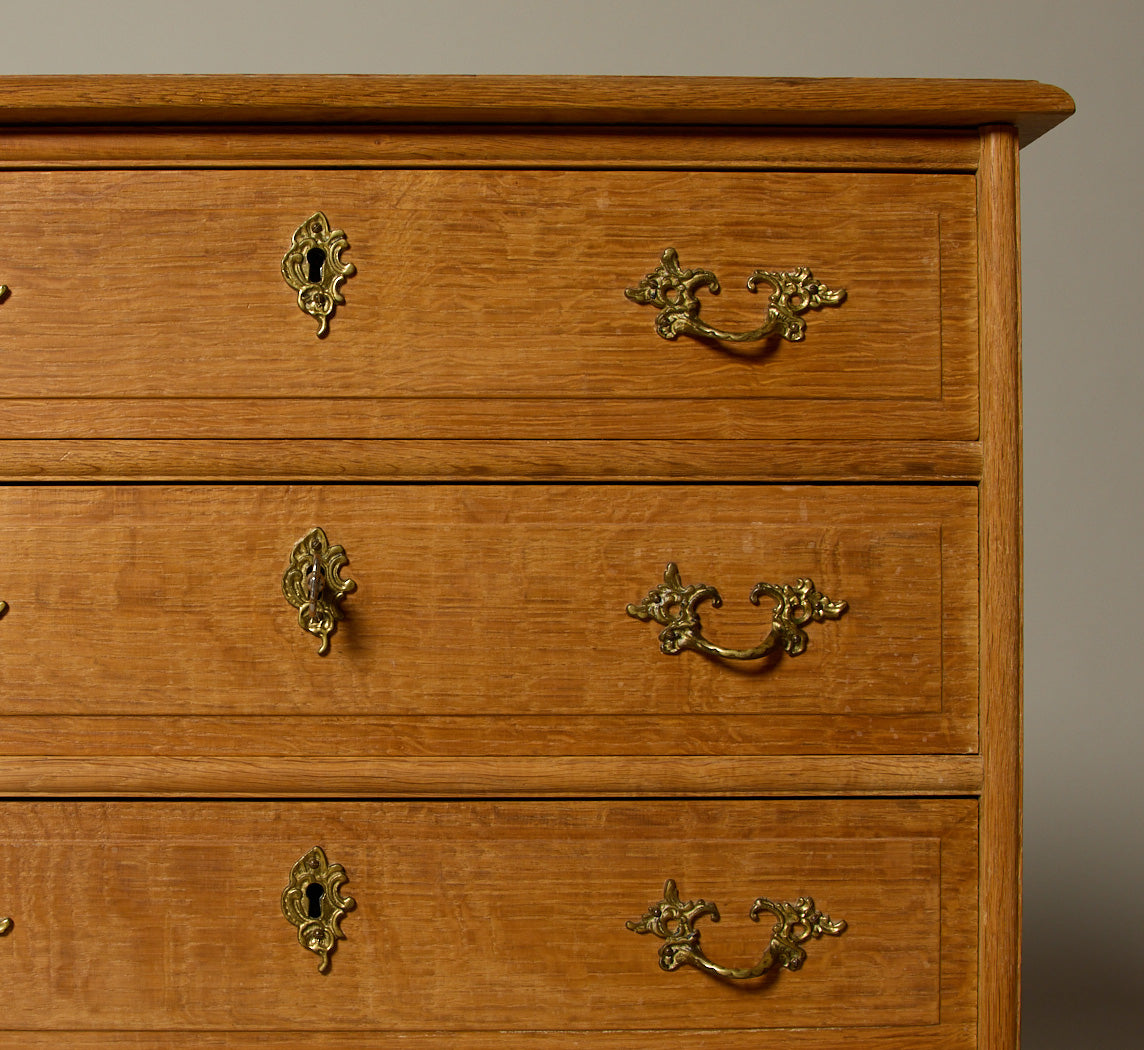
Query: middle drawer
489	620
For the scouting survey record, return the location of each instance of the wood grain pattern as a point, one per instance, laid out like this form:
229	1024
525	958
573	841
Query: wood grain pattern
434	146
483	916
486	601
539	420
149	339
218	773
1001	554
788	101
906	1037
90	459
490	304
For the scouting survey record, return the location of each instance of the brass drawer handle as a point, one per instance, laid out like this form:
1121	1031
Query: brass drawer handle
5	926
313	267
313	902
673	921
312	585
672	289
675	607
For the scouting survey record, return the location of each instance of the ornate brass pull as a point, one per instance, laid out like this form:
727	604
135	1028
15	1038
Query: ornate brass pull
672	289
673	921
675	607
5	926
4	289
312	585
3	608
313	902
314	269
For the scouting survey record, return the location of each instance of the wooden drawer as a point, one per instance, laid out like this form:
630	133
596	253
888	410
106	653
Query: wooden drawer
486	304
486	923
487	620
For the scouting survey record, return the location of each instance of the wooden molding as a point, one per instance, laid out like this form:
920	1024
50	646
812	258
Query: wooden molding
790	102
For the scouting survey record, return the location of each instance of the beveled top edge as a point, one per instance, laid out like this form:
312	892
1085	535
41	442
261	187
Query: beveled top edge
360	99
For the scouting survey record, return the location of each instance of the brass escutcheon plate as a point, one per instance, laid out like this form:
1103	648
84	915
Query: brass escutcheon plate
313	267
312	583
312	901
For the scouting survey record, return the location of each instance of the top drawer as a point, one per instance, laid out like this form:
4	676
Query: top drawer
485	304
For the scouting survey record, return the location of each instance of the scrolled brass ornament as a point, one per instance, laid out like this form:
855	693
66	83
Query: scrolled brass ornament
673	921
313	267
312	901
312	583
676	608
672	289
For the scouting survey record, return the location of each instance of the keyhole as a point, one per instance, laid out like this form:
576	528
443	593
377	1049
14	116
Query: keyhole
314	894
316	257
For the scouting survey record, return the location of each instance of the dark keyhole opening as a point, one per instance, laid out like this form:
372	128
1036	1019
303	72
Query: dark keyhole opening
316	257
314	894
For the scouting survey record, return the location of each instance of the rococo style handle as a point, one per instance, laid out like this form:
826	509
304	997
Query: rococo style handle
672	289
313	585
675	608
673	921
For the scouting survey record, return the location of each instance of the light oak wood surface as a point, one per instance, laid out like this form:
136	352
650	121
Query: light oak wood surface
791	101
486	147
201	460
225	757
490	304
501	757
1001	591
493	604
484	917
904	1037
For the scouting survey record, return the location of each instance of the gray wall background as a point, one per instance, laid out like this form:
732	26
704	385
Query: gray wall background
1082	206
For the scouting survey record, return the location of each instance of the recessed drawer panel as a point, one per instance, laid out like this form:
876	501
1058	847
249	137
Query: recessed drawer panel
485	304
489	620
479	918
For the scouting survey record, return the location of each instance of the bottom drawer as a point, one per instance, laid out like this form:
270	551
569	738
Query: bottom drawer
147	924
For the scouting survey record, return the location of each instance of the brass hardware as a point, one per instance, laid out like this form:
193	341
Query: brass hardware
5	926
672	289
3	608
675	607
4	289
314	269
312	901
312	585
673	921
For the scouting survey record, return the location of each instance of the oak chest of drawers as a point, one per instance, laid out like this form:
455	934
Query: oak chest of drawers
640	605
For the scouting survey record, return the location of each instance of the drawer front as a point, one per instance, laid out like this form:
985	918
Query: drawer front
485	304
480	918
487	620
